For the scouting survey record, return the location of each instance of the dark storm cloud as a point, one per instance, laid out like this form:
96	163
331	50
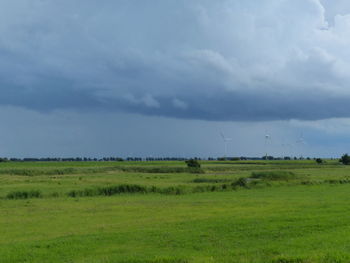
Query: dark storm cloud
228	60
242	107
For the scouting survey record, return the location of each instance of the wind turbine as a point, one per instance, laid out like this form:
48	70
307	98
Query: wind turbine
226	140
286	149
300	142
301	139
267	139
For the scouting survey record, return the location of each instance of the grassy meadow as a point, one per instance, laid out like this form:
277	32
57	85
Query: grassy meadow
164	212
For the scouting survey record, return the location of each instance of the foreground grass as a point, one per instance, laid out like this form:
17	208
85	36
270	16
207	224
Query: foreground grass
275	221
283	224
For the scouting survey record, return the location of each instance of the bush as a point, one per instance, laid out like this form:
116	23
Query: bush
319	161
193	163
345	159
274	175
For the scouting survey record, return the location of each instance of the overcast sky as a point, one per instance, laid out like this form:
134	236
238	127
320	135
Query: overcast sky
165	77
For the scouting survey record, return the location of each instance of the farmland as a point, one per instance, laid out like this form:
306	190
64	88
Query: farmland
164	212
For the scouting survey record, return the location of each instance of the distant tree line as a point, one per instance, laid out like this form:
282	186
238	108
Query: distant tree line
345	159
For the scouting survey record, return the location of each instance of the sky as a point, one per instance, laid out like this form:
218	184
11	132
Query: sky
167	77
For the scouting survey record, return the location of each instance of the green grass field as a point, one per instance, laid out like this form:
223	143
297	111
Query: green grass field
163	212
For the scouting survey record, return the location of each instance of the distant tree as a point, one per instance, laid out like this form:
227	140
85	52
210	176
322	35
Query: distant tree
193	163
345	159
319	161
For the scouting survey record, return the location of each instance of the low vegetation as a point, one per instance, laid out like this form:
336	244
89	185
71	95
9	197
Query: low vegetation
166	212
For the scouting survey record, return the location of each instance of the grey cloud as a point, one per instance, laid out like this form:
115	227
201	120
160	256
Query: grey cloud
245	106
226	60
179	104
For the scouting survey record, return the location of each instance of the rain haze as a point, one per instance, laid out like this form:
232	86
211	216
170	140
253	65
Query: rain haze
166	77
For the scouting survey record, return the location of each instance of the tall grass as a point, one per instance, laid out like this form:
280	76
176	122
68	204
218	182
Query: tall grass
24	194
109	190
160	260
130	169
211	180
144	169
274	175
171	190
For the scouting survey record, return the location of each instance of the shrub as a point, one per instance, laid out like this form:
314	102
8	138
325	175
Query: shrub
193	163
345	159
319	161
